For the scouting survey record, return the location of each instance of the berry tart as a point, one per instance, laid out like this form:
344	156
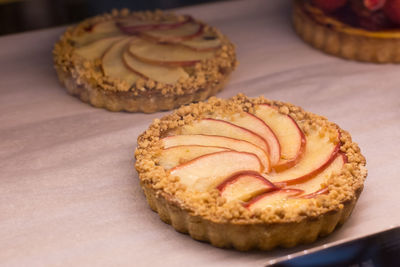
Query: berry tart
363	30
143	61
249	173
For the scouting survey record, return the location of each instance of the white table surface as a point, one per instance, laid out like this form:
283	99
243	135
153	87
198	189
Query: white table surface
69	194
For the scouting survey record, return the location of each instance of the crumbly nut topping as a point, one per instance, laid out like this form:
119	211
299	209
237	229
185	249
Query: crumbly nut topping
343	186
203	75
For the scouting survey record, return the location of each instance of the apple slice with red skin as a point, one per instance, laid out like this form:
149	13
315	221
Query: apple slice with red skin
168	75
220	141
258	126
316	185
321	150
291	138
132	25
96	50
184	32
268	199
108	26
166	54
175	155
244	185
210	126
321	191
97	32
113	64
205	172
204	42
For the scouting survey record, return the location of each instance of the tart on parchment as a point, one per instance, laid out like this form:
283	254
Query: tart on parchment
249	173
143	61
353	29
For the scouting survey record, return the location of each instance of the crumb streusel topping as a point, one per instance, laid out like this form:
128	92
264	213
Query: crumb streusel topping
343	186
202	75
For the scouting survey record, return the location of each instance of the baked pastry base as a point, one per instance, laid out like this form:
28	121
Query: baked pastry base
262	236
85	78
205	217
346	42
128	101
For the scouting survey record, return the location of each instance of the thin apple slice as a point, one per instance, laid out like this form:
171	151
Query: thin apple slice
291	138
244	185
220	141
321	191
209	170
272	199
185	31
96	49
173	156
132	25
223	128
108	26
113	64
98	31
168	75
313	187
258	126
204	42
166	54
320	151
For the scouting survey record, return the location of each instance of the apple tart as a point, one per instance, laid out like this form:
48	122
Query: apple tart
143	61
362	30
249	173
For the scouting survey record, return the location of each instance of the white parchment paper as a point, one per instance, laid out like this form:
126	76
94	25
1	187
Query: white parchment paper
69	194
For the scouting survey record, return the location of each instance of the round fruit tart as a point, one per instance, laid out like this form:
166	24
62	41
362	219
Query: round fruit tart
143	61
249	173
364	30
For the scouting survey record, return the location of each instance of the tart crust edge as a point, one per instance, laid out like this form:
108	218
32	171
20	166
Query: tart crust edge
128	101
344	44
145	95
245	237
251	233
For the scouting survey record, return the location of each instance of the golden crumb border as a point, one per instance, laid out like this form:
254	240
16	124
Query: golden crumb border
85	79
343	187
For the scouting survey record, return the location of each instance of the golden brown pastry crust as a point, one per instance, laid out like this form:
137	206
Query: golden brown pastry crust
85	79
336	38
207	217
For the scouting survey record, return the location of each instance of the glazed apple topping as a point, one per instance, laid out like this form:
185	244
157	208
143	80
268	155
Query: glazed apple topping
233	154
185	31
275	197
113	64
98	31
210	170
290	137
166	54
159	50
217	141
135	25
244	186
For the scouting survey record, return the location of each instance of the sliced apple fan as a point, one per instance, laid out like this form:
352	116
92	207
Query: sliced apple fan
256	158
130	49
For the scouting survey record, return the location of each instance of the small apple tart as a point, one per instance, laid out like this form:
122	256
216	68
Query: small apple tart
249	173
363	30
143	61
